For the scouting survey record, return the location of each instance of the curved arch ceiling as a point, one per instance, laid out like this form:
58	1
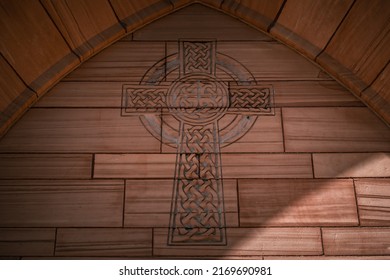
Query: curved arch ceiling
42	41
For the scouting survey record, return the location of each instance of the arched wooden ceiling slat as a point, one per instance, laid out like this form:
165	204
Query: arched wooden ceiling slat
42	41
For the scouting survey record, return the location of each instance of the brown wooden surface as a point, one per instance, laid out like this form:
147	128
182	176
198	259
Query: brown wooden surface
134	165
314	175
45	203
249	242
378	94
45	166
124	61
308	25
14	95
116	242
132	14
148	203
267	166
356	241
373	198
260	13
334	130
86	25
207	23
313	94
366	26
287	202
79	130
340	165
355	54
27	241
20	28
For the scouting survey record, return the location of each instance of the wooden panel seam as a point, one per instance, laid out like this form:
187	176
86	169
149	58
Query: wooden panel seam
335	31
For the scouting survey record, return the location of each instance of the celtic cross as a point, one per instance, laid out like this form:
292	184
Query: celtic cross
198	100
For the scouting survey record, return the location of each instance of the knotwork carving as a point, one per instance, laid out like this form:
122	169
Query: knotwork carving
251	99
198	57
198	214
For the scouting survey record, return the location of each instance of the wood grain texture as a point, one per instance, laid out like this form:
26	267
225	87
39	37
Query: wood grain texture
67	203
123	61
148	203
15	97
27	241
313	94
133	14
277	61
308	25
341	165
301	202
356	241
19	26
266	166
198	21
366	26
260	13
78	130
86	25
334	130
249	242
109	242
265	135
378	95
45	166
83	94
134	165
373	197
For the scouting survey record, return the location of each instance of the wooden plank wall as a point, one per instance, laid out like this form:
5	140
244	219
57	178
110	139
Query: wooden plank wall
348	38
78	180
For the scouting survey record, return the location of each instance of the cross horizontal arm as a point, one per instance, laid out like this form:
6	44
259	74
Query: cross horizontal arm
254	99
138	99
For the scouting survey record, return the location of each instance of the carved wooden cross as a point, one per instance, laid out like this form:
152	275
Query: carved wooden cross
198	100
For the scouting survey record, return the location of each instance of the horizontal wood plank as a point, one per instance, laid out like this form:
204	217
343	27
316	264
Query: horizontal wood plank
122	61
334	130
356	241
148	203
198	21
134	165
54	203
83	95
373	197
277	61
266	166
79	130
27	241
340	165
110	242
301	202
248	241
45	166
313	94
